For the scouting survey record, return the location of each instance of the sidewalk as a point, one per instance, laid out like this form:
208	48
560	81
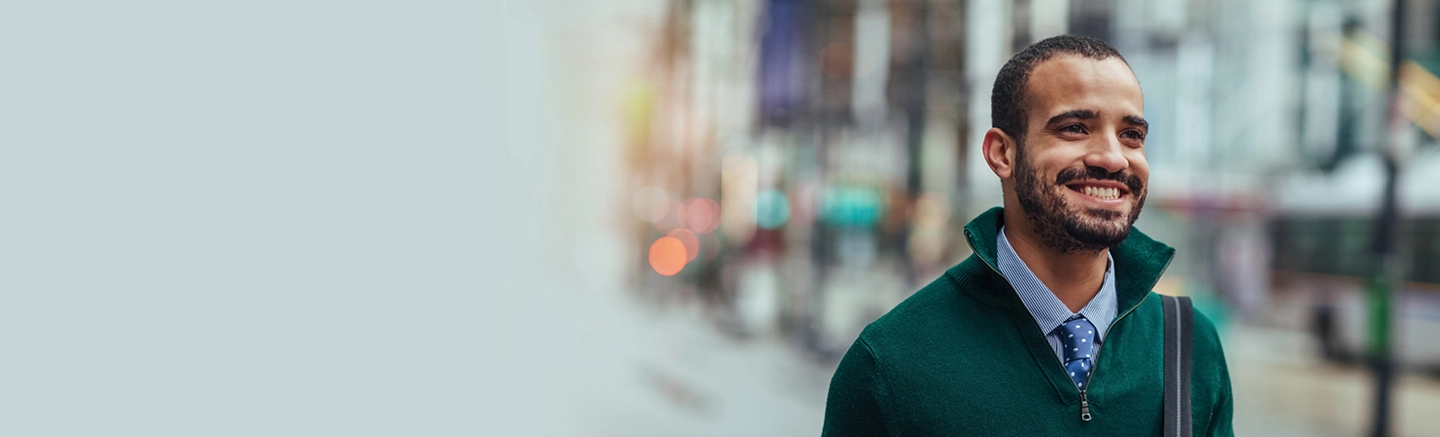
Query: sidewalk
1281	389
687	378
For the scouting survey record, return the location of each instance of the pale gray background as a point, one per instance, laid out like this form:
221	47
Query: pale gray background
274	218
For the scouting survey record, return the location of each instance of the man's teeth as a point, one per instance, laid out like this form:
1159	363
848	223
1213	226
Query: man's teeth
1103	193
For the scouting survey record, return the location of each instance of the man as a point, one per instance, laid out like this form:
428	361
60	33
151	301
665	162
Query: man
1053	313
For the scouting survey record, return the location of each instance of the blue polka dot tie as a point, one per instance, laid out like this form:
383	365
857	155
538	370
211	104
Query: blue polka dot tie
1077	336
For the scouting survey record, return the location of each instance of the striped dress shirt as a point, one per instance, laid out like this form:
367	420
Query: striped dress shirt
1047	309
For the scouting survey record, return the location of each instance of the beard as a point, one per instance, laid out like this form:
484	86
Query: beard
1071	228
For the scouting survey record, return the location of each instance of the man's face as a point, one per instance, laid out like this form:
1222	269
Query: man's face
1080	171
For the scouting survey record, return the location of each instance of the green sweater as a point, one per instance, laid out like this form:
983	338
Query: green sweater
963	356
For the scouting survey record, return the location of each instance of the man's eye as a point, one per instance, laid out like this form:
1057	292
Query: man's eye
1073	128
1133	134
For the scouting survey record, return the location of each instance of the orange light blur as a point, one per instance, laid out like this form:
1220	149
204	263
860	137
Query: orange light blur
668	256
691	242
702	215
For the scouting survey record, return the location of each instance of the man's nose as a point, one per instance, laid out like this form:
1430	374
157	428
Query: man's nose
1107	153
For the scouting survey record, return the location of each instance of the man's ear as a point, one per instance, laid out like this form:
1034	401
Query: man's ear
999	149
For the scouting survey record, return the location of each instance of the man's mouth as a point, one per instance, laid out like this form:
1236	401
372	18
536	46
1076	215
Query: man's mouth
1102	190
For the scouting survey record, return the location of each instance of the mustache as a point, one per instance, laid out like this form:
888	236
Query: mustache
1099	174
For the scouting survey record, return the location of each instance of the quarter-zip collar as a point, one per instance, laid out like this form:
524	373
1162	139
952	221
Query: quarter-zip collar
1139	262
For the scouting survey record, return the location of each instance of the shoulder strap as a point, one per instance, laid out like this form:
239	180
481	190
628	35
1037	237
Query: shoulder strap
1179	328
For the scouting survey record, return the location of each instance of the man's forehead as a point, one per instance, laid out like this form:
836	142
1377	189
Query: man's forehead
1075	80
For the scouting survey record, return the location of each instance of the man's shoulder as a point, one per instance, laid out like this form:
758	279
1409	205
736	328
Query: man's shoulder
1205	335
1209	374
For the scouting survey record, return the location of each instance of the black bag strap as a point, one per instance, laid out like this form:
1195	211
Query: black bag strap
1179	328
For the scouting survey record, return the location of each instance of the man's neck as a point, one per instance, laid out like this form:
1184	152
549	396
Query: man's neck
1074	277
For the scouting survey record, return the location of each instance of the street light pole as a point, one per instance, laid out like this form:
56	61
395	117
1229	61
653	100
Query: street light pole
1386	271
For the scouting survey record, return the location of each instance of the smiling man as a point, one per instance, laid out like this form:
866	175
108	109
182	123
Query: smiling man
1050	328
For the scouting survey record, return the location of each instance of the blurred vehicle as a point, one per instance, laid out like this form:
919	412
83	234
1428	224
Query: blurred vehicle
1322	231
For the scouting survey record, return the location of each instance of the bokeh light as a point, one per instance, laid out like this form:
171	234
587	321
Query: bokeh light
702	215
852	206
929	236
650	203
932	209
689	240
772	209
739	176
672	216
668	256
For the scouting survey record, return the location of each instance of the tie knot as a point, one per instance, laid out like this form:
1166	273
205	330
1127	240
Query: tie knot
1078	337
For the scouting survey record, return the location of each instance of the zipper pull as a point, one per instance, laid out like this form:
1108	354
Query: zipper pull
1084	407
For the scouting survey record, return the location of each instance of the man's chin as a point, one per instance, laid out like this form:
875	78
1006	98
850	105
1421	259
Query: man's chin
1106	215
1097	234
1072	227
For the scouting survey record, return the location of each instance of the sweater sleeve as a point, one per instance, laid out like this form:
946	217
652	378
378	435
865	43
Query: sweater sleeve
1220	423
1223	411
857	400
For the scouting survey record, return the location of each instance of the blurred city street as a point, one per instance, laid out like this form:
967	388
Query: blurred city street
744	342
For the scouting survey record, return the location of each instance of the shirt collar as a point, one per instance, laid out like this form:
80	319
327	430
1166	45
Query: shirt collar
1047	309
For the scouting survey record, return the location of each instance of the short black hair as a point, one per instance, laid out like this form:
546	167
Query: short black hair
1007	98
